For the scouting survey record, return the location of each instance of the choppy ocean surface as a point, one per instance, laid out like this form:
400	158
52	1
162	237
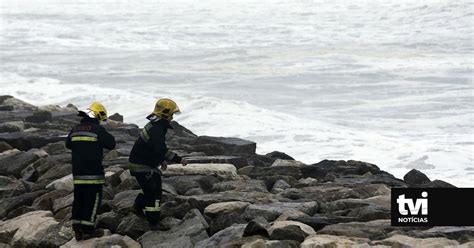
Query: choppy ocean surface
387	82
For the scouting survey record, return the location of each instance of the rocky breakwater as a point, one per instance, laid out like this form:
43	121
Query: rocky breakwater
228	196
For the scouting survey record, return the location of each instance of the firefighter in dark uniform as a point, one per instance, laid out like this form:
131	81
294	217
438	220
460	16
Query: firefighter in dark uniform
86	141
150	152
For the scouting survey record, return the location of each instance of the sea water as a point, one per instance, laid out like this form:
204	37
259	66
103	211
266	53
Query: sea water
387	82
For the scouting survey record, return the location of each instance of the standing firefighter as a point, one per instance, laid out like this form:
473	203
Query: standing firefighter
87	140
150	152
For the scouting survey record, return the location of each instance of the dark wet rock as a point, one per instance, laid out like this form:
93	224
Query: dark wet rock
290	232
227	196
182	184
258	160
460	233
19	211
225	208
380	178
27	140
223	221
8	204
377	229
416	177
169	222
323	240
187	234
10	187
63	202
237	161
318	221
40	117
439	184
14	164
271	211
257	226
6	108
116	117
194	191
328	193
108	240
11	127
228	234
351	167
306	182
232	146
280	186
406	241
240	185
57	171
279	155
133	226
370	212
45	201
267	173
123	201
4	146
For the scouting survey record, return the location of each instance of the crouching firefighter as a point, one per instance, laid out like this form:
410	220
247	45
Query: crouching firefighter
150	152
86	141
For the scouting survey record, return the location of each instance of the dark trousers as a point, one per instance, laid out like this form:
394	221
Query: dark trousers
150	197
87	198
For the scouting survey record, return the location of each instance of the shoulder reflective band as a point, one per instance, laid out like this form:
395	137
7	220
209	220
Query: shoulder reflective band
88	177
144	134
88	134
156	208
83	138
85	181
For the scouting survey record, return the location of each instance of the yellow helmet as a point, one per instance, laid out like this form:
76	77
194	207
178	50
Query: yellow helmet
99	111
165	108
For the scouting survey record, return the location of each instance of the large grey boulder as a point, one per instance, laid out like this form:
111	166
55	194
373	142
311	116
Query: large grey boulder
230	233
377	229
232	146
123	202
225	171
11	187
237	161
323	240
271	211
114	240
250	185
133	226
109	220
12	126
225	208
416	177
318	221
4	146
187	234
34	229
460	233
27	140
46	201
11	203
406	241
14	164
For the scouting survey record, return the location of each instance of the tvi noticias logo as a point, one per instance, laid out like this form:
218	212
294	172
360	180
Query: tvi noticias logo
411	208
432	207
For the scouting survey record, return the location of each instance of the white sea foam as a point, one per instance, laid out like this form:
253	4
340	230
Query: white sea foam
385	82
